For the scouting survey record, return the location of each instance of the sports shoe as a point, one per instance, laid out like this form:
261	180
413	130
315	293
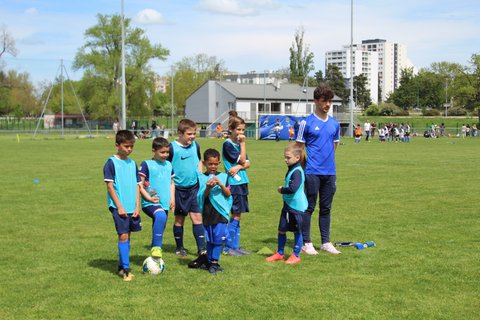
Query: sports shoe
275	257
232	252
181	252
243	251
309	249
328	247
127	275
200	262
156	252
120	271
293	259
214	268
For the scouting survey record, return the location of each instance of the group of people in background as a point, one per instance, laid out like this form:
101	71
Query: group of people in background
388	132
215	201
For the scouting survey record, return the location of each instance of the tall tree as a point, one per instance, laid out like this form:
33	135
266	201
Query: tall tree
192	72
7	42
336	81
362	94
101	59
17	94
301	58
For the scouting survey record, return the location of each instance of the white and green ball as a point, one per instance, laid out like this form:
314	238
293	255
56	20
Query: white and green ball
153	266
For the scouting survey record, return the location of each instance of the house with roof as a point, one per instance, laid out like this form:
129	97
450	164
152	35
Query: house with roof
211	102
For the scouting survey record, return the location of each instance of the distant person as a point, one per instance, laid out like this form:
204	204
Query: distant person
294	205
154	130
291	133
366	128
185	158
134	127
219	131
358	134
115	126
319	133
158	172
277	127
215	200
123	197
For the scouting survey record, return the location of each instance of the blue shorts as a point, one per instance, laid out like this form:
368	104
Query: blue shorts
216	234
290	220
150	210
186	200
240	203
125	224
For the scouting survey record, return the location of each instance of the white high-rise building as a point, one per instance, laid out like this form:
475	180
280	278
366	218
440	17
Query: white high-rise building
364	62
392	59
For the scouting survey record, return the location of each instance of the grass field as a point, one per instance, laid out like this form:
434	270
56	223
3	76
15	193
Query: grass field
417	201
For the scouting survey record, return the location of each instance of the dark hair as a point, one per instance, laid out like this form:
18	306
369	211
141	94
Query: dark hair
323	91
186	124
211	153
232	113
159	143
234	122
124	136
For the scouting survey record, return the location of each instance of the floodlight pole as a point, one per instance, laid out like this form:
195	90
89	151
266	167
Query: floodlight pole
172	99
351	124
61	88
124	106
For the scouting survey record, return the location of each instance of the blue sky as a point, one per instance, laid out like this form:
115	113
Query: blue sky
246	34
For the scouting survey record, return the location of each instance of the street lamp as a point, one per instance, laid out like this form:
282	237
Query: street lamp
350	126
124	106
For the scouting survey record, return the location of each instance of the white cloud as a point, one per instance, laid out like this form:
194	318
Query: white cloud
31	11
237	7
149	16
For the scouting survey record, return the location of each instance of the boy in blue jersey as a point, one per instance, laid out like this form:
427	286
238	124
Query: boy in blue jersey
319	133
215	202
123	196
158	172
235	161
185	158
294	205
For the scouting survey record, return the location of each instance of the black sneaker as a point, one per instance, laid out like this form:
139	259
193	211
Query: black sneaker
201	262
214	268
181	252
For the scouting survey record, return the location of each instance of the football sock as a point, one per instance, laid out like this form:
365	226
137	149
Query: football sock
158	227
209	250
178	234
298	243
282	239
216	251
236	243
232	233
124	254
199	234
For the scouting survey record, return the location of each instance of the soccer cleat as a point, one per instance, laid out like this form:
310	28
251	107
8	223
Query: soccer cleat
120	271
309	249
328	247
156	252
214	268
293	259
127	275
243	251
201	262
181	252
275	257
233	253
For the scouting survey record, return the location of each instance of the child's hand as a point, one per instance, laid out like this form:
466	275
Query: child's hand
234	170
155	199
121	212
241	138
279	190
172	204
136	213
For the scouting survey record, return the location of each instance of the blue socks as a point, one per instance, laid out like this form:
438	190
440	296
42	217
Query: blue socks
232	232
298	243
158	227
216	251
282	240
178	234
124	254
199	234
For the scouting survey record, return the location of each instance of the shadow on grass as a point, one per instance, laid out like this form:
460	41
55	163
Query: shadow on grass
111	265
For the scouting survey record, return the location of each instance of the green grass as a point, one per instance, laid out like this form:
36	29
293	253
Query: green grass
417	201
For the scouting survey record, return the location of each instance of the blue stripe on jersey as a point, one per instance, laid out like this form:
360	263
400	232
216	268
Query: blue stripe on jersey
319	137
159	174
125	184
185	164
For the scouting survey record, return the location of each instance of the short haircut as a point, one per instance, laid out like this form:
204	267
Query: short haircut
234	122
185	124
124	136
159	143
323	91
232	113
295	149
211	153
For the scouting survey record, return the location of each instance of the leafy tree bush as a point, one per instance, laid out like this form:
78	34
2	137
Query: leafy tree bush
389	109
373	110
457	112
430	113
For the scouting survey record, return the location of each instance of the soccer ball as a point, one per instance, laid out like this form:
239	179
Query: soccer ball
153	266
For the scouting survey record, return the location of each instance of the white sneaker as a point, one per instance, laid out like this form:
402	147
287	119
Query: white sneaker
309	249
328	247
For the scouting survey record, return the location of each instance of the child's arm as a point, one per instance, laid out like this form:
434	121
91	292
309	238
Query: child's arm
145	194
116	200
136	213
172	195
215	182
243	149
293	185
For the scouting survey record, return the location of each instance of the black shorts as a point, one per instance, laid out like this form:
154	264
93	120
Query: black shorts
290	220
186	200
125	224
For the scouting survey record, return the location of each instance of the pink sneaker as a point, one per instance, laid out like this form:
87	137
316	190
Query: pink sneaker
293	259
309	249
328	247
